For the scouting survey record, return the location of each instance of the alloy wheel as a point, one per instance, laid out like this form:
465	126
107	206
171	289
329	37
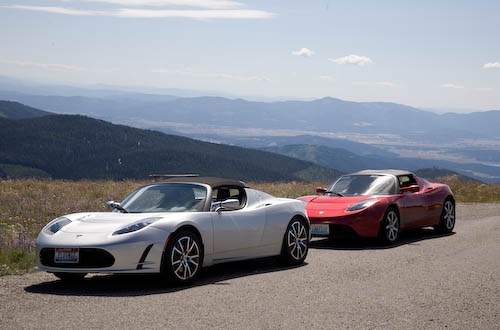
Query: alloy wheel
297	240
185	258
392	226
449	215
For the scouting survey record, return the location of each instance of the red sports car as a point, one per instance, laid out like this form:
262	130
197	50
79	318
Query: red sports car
380	203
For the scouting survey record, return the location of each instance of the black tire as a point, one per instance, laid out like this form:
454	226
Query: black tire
183	258
70	277
295	242
389	227
448	217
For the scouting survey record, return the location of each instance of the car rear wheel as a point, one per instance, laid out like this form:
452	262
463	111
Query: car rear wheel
70	277
295	243
389	229
447	222
183	257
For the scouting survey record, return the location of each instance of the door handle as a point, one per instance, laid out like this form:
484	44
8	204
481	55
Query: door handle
264	205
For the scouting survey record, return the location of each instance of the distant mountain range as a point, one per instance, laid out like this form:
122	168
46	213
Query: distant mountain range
323	115
103	90
35	143
76	147
370	134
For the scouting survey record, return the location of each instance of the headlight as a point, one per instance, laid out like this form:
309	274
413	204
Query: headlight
135	226
55	225
361	205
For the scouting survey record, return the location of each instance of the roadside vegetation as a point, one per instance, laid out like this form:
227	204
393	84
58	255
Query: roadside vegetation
28	205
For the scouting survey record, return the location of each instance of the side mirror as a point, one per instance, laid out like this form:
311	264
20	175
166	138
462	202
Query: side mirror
116	206
112	204
320	190
228	204
412	189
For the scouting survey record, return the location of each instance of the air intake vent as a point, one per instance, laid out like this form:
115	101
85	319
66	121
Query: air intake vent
89	258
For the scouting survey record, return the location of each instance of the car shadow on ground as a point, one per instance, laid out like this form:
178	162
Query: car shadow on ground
127	285
354	243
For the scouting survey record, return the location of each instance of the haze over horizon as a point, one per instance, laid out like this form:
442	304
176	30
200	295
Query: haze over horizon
428	55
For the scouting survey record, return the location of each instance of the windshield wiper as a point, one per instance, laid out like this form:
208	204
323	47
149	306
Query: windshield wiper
335	193
117	206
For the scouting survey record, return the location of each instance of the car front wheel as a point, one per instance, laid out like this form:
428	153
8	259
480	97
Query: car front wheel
389	229
183	257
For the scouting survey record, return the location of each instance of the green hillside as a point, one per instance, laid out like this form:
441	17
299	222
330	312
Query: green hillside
337	158
76	147
436	173
15	110
9	171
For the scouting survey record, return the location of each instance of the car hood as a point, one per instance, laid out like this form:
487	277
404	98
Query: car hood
331	206
101	222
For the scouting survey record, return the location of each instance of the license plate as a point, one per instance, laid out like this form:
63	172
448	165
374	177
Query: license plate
66	255
320	230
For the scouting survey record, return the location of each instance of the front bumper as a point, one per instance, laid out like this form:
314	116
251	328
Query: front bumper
364	224
132	253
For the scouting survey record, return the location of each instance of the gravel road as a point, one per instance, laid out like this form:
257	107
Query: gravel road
427	281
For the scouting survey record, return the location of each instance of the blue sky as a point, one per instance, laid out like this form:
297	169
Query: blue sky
440	54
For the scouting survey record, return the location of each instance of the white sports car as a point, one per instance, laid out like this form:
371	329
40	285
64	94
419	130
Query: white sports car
176	227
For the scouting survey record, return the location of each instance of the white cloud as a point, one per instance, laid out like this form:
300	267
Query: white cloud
452	86
384	84
58	10
46	66
352	59
327	78
363	124
303	52
211	4
148	13
484	89
492	65
195	14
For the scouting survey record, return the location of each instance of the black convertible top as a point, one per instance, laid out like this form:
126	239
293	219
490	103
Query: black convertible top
390	172
211	181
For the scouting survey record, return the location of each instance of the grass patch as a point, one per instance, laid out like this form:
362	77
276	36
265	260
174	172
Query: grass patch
472	191
27	205
15	261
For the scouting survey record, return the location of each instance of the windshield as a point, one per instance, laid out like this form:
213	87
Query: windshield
363	185
172	197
